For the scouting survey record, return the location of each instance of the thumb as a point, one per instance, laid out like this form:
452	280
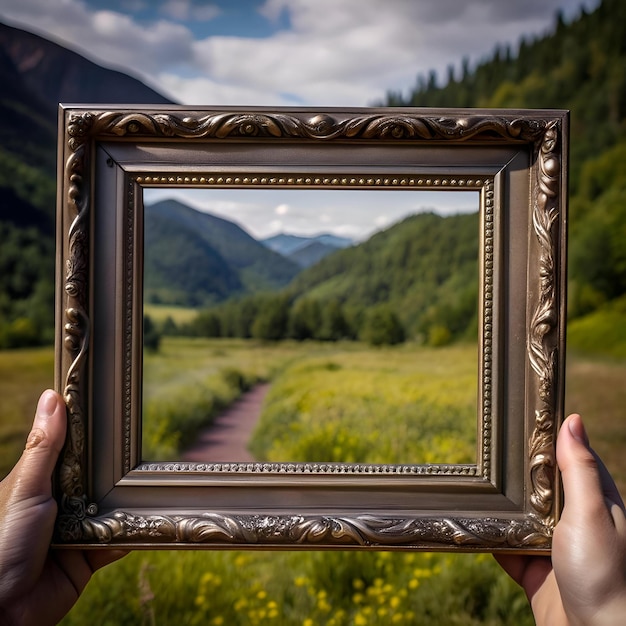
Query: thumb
26	507
44	443
586	481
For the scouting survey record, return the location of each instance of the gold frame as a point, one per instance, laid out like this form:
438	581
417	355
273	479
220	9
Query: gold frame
509	500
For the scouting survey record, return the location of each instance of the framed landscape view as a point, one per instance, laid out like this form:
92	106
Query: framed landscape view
392	279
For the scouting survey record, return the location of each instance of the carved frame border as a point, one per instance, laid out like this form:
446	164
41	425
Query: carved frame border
482	184
79	521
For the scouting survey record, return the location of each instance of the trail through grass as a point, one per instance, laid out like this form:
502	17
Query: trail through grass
189	381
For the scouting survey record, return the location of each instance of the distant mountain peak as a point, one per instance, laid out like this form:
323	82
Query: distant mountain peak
195	258
306	250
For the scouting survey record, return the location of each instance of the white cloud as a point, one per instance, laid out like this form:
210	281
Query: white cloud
183	10
346	53
111	38
351	53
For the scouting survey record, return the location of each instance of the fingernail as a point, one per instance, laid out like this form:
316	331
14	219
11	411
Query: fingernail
47	404
577	429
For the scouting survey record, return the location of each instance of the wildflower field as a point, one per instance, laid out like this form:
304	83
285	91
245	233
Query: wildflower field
311	588
342	401
361	405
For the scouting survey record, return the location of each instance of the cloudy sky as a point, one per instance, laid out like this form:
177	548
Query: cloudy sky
355	214
287	52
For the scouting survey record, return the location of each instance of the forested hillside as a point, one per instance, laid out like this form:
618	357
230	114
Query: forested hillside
425	268
416	279
194	258
581	66
36	75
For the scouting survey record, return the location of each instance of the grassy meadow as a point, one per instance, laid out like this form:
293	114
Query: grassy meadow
311	588
178	314
187	382
363	405
24	374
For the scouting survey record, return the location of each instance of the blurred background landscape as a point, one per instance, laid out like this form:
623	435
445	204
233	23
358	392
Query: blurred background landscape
577	64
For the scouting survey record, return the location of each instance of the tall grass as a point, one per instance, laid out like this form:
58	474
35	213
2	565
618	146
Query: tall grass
302	589
363	405
24	374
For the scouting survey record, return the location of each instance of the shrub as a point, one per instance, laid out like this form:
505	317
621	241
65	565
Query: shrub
382	326
20	333
151	336
439	335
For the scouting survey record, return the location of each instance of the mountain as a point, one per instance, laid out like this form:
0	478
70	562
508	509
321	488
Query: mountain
36	75
52	74
417	279
311	253
306	251
578	66
425	267
195	258
286	244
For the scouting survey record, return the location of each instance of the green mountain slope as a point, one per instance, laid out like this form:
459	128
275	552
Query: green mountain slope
425	268
195	258
581	67
36	74
417	280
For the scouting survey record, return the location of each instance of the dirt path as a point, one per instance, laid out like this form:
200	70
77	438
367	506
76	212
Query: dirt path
226	439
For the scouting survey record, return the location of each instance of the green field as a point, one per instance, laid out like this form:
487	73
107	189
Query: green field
24	374
339	401
311	588
403	404
178	314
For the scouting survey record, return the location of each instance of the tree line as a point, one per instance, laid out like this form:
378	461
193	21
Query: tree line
276	316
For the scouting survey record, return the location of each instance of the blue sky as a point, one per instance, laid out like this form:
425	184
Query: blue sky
291	52
239	18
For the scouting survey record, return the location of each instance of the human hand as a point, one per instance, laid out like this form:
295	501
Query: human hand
584	583
39	585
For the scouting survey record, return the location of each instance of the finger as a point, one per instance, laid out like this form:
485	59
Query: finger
100	558
42	448
530	572
585	479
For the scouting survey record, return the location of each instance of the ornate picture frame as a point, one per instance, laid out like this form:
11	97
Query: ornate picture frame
509	500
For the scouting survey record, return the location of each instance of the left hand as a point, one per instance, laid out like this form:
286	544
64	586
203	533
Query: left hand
39	585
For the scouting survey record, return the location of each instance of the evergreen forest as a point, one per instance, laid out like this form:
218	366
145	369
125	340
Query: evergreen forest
580	66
